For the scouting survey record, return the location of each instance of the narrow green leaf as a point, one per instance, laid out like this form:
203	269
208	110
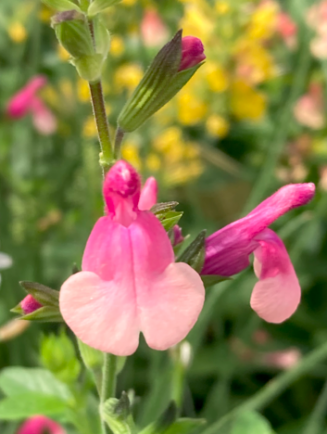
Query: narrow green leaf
195	253
159	208
43	294
184	426
44	314
170	219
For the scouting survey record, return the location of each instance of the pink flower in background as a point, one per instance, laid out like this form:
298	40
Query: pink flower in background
192	52
317	20
130	282
283	359
40	425
287	29
309	109
29	304
153	30
26	101
277	294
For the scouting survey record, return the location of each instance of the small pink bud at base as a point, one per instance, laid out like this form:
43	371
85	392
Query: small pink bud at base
29	304
192	52
178	237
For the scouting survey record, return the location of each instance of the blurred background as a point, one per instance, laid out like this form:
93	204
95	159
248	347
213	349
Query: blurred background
251	120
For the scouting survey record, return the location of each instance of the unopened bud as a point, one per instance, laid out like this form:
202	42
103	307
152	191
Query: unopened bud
29	304
192	52
171	69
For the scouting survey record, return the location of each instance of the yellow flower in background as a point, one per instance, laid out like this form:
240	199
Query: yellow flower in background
168	139
215	76
222	7
263	21
128	2
66	88
196	23
153	162
45	14
191	110
255	63
89	128
51	96
117	46
128	76
17	32
246	103
130	153
62	53
217	126
83	91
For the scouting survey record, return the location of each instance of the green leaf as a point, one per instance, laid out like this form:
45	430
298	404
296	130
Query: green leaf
184	426
16	381
213	279
116	413
251	422
170	219
98	6
92	358
163	207
22	406
165	421
61	5
195	253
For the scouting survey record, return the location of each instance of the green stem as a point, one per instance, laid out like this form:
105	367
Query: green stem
118	141
108	387
99	111
316	420
273	389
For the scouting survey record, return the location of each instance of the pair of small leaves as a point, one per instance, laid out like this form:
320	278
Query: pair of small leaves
167	215
117	414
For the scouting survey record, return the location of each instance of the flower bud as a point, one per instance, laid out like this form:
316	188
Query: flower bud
192	52
29	304
41	303
171	69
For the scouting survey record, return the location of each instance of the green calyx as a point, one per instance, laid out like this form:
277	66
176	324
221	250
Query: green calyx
159	85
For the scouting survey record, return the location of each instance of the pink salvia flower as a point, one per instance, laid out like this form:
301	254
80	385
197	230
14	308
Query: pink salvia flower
192	52
29	304
130	282
277	294
153	30
40	425
20	104
26	101
309	109
287	28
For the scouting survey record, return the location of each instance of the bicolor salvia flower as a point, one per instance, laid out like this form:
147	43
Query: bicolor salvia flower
40	425
27	101
130	282
276	295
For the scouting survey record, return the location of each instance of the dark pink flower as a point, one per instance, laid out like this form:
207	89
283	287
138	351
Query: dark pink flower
277	294
130	282
192	52
40	425
177	235
26	101
29	304
153	30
